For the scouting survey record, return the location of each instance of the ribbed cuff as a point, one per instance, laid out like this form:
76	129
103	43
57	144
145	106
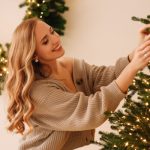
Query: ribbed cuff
128	58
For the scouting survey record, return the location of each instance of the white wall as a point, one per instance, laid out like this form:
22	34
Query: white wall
98	31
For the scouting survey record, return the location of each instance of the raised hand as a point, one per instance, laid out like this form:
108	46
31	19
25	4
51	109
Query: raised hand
141	56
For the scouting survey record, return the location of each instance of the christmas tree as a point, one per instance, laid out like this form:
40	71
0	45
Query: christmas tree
50	11
131	124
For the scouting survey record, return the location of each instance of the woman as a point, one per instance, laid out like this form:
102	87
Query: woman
62	100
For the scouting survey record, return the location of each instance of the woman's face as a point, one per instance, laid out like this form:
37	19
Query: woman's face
48	44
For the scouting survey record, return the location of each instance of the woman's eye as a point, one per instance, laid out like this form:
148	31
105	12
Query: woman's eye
45	42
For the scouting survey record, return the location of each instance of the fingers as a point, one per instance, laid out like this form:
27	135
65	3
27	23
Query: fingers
146	50
145	54
144	45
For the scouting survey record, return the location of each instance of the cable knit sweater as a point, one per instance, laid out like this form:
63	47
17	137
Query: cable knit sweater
63	120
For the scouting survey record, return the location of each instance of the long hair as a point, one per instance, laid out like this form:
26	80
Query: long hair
21	74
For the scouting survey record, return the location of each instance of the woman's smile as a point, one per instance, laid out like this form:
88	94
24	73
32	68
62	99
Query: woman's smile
58	48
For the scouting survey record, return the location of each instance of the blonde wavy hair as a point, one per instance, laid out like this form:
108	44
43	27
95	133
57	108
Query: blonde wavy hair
21	74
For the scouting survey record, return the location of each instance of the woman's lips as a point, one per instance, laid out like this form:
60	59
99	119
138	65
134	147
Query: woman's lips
57	48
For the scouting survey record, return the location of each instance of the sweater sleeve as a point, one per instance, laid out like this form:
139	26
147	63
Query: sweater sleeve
98	76
57	109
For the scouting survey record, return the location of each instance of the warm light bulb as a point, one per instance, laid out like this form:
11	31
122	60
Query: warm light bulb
138	120
115	146
128	124
146	104
28	1
29	12
2	59
126	144
131	129
4	69
132	145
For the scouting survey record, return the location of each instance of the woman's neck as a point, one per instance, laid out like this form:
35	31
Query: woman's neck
55	69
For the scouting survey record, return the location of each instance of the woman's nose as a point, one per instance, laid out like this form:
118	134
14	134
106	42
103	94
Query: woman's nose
55	39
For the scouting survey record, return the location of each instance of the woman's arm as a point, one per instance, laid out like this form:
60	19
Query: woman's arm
97	76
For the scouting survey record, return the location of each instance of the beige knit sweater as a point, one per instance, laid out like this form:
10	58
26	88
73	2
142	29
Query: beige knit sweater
63	120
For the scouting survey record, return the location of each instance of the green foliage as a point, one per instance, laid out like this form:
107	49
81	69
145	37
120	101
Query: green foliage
143	20
50	11
3	64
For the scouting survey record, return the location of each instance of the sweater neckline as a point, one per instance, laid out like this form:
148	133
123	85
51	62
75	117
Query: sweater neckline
73	78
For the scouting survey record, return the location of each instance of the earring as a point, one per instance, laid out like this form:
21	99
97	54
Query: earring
36	60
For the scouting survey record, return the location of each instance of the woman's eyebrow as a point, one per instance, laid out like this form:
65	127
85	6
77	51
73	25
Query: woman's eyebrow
50	28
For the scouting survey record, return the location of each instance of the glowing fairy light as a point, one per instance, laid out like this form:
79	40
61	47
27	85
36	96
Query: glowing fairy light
128	124
115	146
28	1
138	120
146	104
2	59
4	69
126	144
145	81
29	12
132	146
124	117
31	1
144	140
